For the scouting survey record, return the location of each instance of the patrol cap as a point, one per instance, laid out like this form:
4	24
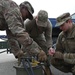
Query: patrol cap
29	7
42	18
62	19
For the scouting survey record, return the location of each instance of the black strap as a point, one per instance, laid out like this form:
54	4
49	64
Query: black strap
31	72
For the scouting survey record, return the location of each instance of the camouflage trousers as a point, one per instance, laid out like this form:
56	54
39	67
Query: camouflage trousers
63	66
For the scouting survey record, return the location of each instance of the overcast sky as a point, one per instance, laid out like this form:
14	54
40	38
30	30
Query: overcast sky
53	7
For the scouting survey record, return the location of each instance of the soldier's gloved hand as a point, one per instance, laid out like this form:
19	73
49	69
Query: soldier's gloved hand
42	56
19	54
58	55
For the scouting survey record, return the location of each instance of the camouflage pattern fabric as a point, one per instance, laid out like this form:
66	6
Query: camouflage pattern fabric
13	24
62	19
66	45
42	18
29	8
42	37
10	18
61	65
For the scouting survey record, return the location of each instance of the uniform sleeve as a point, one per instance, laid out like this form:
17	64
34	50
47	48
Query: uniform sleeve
27	25
48	34
69	58
12	16
59	46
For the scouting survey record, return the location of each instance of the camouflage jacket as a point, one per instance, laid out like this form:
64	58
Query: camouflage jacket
11	21
42	35
66	45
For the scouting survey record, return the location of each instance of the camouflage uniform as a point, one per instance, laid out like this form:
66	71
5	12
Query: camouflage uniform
42	37
11	21
66	45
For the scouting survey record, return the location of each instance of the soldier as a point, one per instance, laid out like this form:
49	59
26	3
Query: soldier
40	29
11	21
64	55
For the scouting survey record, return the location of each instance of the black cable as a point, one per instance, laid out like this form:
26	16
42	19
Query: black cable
25	67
